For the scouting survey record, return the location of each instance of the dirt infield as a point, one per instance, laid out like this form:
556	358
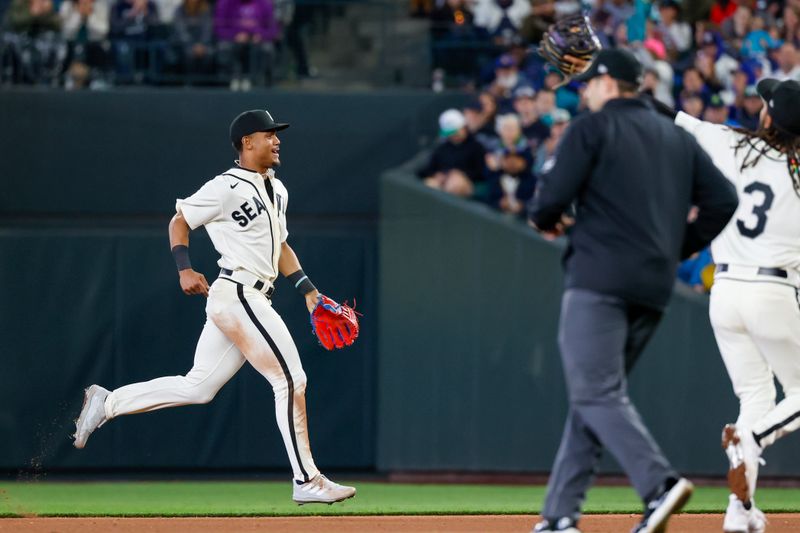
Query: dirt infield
688	523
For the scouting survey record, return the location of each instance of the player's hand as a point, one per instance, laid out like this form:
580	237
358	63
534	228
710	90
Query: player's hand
311	300
559	229
193	282
578	64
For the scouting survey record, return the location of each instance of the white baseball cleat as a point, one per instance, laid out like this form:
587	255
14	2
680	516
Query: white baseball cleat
740	520
321	490
93	414
758	520
736	516
744	456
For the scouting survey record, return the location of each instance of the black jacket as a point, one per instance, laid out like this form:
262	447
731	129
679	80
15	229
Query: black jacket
633	176
466	156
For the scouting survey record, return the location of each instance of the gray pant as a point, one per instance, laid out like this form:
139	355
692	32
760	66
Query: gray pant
601	337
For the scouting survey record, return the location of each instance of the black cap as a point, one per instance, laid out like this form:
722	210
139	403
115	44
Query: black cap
783	103
617	63
253	121
716	102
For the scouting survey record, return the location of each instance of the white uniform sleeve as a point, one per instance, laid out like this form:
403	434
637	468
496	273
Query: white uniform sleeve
202	207
717	140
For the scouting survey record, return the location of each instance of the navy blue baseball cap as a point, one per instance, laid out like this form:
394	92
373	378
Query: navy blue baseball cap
252	121
782	99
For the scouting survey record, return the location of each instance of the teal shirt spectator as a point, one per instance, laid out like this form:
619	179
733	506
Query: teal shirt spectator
637	22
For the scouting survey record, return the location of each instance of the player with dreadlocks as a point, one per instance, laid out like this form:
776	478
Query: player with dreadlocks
755	300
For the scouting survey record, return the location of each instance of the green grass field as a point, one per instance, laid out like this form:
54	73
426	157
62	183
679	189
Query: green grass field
274	499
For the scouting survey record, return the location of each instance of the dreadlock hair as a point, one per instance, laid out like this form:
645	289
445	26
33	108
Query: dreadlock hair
775	138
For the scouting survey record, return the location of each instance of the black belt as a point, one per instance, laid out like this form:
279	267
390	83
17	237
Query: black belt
762	271
258	285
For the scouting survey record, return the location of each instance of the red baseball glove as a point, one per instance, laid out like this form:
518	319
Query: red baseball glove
335	325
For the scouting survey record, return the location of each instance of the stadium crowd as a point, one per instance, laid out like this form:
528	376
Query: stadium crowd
97	43
700	56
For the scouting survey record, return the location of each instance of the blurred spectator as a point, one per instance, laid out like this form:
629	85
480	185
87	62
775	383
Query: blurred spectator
294	17
34	49
788	67
501	20
85	25
452	30
791	24
566	95
692	104
736	28
167	10
694	83
542	15
722	10
758	40
545	155
534	130
545	105
479	116
193	33
658	75
456	164
608	15
676	35
747	113
716	66
131	21
651	83
698	271
246	31
511	183
717	112
507	78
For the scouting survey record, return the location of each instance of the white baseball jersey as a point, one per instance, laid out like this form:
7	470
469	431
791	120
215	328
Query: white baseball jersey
245	225
765	230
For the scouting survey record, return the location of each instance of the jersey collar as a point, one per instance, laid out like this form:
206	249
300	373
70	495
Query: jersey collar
243	172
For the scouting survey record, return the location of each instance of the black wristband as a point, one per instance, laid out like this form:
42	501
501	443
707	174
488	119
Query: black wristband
301	282
181	254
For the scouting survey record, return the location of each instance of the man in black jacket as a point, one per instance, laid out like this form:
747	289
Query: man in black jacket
632	177
456	164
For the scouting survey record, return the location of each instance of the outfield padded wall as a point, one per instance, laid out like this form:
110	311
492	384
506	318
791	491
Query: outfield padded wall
97	306
469	371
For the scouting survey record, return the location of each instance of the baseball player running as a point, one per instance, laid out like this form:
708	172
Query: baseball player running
244	212
755	304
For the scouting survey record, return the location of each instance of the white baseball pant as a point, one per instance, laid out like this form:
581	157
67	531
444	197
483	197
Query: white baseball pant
757	326
241	326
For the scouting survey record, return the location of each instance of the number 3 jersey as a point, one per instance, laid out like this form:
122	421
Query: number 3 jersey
765	230
245	217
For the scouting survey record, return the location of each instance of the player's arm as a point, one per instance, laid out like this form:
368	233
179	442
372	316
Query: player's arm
289	266
716	199
559	187
191	282
716	139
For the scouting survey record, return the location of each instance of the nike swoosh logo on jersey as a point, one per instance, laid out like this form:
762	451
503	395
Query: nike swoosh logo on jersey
234	185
